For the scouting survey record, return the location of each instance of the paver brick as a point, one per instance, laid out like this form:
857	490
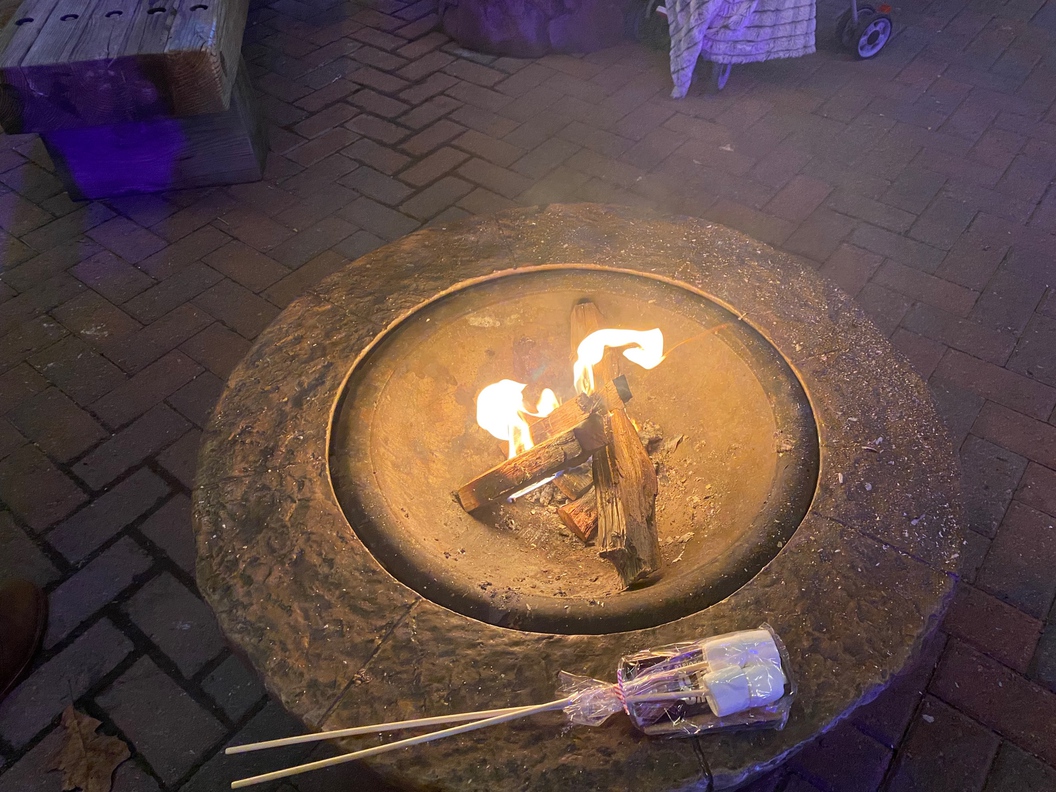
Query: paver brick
310	242
998	384
436	197
820	234
359	244
304	277
234	686
177	621
962	334
245	265
180	458
39	699
1019	433
990	475
36	490
93	587
57	425
184	252
885	307
79	371
34	772
944	751
377	219
111	276
108	514
1015	769
272	722
377	128
1037	488
174	291
1035	354
432	137
993	627
923	353
130	241
927	288
378	186
144	437
998	698
499	180
431	168
20	557
376	156
843	758
170	529
1019	566
17	384
150	386
134	702
254	227
147	345
216	348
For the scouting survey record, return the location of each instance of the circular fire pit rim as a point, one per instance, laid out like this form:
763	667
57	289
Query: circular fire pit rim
263	470
781	513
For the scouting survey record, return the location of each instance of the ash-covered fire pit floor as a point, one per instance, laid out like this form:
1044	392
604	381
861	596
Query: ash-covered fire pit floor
861	580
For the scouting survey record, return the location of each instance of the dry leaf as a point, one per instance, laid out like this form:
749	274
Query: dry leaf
87	760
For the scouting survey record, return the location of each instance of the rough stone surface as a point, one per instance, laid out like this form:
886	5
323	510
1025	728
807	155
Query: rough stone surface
885	553
532	28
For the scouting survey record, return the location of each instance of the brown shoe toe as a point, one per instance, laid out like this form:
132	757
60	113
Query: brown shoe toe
23	617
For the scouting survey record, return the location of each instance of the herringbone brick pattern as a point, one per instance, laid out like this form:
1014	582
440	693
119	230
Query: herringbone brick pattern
920	182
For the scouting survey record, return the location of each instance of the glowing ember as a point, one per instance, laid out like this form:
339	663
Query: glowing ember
644	347
501	411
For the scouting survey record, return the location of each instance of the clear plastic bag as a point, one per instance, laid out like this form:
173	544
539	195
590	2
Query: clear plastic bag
738	680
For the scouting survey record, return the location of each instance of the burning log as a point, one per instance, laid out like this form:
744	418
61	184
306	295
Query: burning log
574	483
564	450
574	411
586	319
626	487
581	515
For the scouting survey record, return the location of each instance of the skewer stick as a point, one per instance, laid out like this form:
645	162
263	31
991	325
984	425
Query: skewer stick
520	712
437	720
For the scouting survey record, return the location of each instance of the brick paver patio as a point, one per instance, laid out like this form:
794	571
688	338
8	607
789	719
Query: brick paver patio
920	182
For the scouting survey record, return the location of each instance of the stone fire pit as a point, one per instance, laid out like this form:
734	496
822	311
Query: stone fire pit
837	524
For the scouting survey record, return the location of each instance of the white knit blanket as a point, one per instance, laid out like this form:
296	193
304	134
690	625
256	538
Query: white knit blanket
736	31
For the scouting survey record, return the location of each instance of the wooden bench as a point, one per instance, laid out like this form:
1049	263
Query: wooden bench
105	82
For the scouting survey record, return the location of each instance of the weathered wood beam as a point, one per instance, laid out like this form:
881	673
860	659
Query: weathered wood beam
564	450
581	515
572	412
586	318
626	488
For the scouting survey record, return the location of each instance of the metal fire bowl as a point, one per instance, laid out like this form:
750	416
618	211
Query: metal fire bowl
732	492
312	594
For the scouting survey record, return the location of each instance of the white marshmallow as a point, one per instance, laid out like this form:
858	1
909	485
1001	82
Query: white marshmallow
740	648
766	682
728	691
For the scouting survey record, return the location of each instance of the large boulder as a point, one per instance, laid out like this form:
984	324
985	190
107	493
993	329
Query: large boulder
531	28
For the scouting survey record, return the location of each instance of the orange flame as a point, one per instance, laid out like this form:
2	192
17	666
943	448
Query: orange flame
501	411
644	347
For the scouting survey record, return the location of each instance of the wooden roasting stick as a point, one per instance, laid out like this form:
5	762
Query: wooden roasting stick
564	450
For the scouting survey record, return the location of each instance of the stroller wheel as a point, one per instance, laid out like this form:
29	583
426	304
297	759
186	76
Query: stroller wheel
871	35
845	26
